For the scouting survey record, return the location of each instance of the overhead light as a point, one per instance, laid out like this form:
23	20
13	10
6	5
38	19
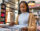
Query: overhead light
1	1
16	2
8	5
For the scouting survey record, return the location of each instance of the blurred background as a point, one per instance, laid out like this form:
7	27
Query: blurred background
12	9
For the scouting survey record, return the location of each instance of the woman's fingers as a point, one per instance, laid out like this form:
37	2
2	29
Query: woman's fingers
31	28
24	29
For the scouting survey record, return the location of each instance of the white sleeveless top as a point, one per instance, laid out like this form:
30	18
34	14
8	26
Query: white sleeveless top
23	19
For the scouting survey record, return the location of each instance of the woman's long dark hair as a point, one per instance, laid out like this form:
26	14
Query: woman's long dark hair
19	12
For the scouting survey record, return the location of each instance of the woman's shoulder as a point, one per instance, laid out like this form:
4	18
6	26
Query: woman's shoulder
31	14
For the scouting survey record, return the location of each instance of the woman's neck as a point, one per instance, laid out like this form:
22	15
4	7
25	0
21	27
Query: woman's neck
24	12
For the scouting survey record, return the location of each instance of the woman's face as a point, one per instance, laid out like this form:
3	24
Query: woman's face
23	7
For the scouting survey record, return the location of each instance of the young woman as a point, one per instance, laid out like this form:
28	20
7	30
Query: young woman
25	18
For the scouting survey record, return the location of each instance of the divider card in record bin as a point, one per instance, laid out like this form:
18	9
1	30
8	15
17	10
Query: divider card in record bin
3	13
0	10
5	29
1	22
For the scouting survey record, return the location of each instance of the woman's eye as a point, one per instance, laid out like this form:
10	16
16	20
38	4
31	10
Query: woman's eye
23	7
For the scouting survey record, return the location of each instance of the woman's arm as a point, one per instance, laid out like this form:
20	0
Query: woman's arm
13	23
17	20
32	23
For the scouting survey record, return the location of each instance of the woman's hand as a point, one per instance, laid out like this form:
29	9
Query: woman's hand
24	29
38	27
31	28
11	23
